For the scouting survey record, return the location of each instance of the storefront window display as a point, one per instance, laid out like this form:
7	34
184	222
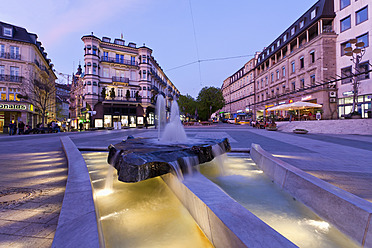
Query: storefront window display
107	121
132	121
124	120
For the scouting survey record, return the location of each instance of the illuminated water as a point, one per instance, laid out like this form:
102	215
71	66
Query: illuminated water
248	185
144	214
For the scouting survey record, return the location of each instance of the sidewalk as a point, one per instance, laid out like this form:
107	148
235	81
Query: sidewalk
347	126
33	178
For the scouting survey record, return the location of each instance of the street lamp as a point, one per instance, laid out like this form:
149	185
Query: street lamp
356	51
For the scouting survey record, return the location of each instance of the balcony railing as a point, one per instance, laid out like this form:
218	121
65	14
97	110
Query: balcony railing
120	79
154	88
121	99
119	61
11	78
10	56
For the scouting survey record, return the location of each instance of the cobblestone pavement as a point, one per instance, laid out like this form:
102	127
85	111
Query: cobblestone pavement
33	170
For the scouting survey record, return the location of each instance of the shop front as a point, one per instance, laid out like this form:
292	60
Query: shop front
119	116
16	112
363	105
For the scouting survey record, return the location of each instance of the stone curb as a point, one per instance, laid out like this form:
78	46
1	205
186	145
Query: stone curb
349	213
77	223
225	222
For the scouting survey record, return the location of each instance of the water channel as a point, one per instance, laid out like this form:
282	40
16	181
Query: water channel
142	214
248	185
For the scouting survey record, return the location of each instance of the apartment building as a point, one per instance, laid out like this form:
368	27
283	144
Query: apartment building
121	82
77	111
298	63
353	21
24	66
238	91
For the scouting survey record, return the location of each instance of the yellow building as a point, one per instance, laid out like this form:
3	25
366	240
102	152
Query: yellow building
24	66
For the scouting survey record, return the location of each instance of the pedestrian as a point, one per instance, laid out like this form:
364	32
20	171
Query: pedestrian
11	127
81	126
21	128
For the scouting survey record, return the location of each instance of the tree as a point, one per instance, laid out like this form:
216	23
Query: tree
209	100
112	93
103	93
40	93
137	95
127	95
187	104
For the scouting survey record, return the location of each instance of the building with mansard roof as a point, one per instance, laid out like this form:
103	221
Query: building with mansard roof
121	82
23	62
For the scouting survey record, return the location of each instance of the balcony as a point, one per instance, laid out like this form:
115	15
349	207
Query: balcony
10	56
155	89
120	99
119	61
11	78
120	79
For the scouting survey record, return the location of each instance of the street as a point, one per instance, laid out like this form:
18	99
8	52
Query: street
35	166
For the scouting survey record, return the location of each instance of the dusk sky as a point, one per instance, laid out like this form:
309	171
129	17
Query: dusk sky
222	29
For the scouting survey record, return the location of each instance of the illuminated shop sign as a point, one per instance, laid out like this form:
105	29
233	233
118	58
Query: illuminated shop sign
305	98
13	106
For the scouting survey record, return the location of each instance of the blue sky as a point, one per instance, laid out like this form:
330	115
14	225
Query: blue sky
222	28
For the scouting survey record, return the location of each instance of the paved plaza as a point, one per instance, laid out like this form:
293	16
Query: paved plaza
33	169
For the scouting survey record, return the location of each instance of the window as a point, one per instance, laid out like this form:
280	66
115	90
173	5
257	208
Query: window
13	94
284	37
346	72
302	62
2	51
278	43
343	46
105	72
361	15
283	70
293	67
313	14
272	77
302	83
8	32
312	56
14	71
277	75
2	70
293	86
293	30
267	81
144	74
3	93
312	79
14	52
344	3
345	24
132	60
363	38
105	54
302	23
144	59
363	67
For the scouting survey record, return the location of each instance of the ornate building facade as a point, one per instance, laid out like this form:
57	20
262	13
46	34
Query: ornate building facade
24	67
297	66
121	82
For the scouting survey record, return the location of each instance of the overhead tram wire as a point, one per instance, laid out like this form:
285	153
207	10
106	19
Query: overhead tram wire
196	43
210	60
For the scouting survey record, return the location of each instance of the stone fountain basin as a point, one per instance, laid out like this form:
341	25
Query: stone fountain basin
137	159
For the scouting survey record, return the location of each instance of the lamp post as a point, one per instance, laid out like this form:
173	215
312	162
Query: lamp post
356	51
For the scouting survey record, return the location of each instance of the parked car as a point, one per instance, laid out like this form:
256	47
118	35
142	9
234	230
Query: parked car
231	121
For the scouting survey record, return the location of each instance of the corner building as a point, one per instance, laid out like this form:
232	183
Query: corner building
297	65
23	61
121	82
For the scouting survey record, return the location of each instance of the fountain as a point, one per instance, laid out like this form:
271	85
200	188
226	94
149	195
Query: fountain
160	113
137	159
